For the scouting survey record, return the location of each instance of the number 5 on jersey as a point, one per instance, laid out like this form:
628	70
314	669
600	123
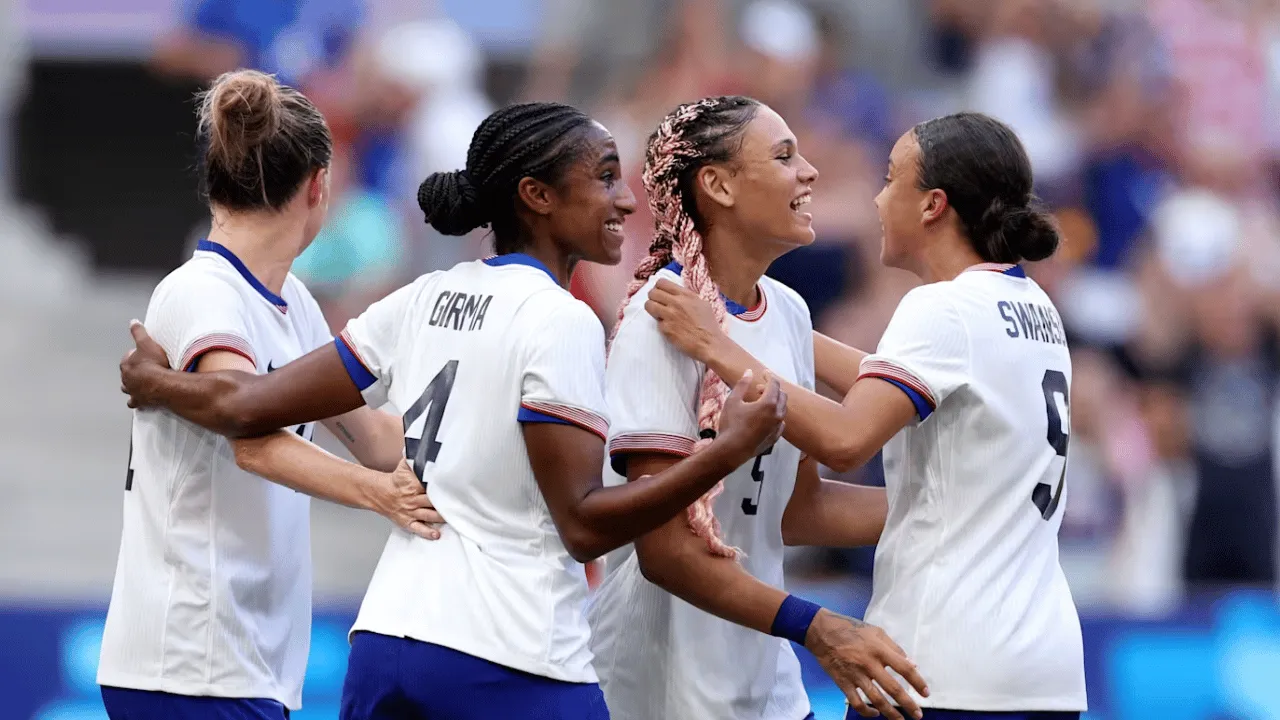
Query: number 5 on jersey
434	398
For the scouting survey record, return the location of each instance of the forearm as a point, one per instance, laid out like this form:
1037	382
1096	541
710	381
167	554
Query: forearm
286	459
677	561
818	426
837	365
836	514
219	401
610	517
373	437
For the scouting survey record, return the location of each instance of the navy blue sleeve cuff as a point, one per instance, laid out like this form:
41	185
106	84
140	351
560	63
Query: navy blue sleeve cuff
922	405
360	374
532	416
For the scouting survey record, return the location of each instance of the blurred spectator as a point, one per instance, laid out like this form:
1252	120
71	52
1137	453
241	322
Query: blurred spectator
1232	376
1217	57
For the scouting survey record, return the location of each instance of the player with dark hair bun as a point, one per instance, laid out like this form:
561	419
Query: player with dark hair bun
968	394
499	372
211	610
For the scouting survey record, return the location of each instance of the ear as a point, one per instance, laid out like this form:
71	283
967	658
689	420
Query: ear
536	195
933	206
318	188
717	184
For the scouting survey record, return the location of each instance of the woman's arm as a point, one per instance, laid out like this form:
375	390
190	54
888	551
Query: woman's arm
373	437
236	403
289	460
853	653
841	436
827	513
837	365
593	519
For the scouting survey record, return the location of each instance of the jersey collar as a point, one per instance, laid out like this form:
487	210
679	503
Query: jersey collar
1002	268
738	311
520	259
213	247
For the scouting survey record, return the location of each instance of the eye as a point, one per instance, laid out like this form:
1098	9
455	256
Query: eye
785	157
609	178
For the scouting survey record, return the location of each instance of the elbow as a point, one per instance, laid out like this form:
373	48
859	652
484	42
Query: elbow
248	454
658	564
582	544
845	457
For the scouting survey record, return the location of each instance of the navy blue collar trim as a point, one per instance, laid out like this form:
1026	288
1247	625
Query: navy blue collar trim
733	307
213	247
1016	271
520	259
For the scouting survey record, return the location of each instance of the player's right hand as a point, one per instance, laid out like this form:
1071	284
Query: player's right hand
856	656
147	355
401	498
752	421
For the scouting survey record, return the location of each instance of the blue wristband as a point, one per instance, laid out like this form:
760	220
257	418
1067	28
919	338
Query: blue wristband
793	619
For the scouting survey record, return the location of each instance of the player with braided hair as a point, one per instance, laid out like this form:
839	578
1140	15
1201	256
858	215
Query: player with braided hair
968	394
499	372
682	622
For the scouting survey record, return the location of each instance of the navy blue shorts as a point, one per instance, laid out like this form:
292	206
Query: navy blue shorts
400	679
933	714
125	704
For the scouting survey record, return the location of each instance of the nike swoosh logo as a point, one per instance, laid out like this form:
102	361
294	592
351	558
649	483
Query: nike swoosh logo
269	368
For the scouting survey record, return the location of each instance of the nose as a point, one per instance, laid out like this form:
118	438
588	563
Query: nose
807	173
625	202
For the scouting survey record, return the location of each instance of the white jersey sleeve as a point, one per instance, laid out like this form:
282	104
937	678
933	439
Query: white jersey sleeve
924	351
652	390
197	313
564	369
369	342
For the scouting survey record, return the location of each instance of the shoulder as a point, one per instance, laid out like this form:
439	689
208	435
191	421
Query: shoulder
634	314
937	301
787	301
199	280
558	310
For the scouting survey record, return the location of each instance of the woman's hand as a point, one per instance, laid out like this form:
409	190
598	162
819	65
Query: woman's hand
137	368
686	320
401	498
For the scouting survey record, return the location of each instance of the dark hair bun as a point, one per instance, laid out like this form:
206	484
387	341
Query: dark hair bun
1013	233
243	110
450	203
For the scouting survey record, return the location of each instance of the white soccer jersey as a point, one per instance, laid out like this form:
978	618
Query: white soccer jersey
658	656
467	355
212	591
967	578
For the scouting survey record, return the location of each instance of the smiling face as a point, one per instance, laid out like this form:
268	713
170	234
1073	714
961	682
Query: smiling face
769	182
593	200
901	204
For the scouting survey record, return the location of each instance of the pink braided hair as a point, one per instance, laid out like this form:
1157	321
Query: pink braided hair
670	153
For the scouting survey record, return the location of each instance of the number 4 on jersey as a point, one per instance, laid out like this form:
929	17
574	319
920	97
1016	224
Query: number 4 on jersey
1054	384
432	401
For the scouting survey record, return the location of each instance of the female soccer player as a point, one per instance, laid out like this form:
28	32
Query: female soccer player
970	390
682	622
499	372
212	593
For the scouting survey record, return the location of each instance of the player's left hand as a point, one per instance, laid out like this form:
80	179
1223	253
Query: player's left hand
146	355
685	320
403	499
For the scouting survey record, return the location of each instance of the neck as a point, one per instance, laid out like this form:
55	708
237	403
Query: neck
267	243
945	258
736	269
560	264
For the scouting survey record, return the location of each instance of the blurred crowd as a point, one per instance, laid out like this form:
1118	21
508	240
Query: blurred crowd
1153	127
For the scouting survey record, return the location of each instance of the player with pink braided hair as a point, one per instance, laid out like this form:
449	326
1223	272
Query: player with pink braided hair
676	238
682	624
